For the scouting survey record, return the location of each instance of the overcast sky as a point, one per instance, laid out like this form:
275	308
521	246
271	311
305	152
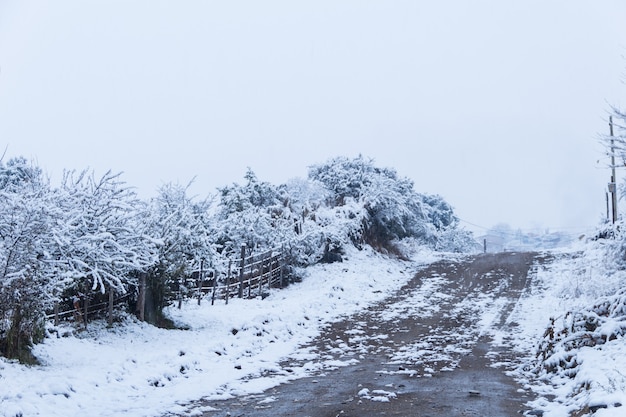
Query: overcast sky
495	105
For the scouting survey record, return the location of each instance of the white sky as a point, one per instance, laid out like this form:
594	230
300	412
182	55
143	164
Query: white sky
497	106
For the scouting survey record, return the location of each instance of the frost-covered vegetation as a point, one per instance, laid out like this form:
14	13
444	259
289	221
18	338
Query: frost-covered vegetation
578	361
581	355
91	236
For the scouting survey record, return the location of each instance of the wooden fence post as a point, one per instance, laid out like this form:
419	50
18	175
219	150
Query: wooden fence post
141	301
243	263
201	276
111	295
281	262
86	306
250	276
269	271
56	313
214	286
228	280
261	270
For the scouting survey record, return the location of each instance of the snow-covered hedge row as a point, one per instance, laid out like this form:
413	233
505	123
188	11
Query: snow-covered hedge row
92	235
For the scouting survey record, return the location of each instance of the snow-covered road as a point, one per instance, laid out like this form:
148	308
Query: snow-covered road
435	348
362	334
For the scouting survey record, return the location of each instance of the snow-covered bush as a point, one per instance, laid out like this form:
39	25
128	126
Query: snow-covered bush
456	240
26	286
93	236
579	354
574	350
182	229
596	325
254	215
101	239
441	231
391	208
307	202
100	242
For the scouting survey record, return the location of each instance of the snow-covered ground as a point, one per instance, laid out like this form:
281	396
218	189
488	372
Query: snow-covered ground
135	369
592	377
138	370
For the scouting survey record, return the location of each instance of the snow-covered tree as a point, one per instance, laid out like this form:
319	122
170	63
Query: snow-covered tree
441	231
254	214
395	210
392	209
308	203
101	239
182	227
304	197
18	175
26	285
439	212
348	178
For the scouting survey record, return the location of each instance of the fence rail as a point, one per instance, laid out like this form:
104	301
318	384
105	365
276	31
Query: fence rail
82	309
248	276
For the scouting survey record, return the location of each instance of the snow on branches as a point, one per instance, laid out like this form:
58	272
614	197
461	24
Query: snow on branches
25	284
101	237
92	235
392	209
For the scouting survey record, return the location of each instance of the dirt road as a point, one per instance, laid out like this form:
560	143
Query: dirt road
426	351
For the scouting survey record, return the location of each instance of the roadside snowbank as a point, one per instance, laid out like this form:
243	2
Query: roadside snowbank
571	327
135	369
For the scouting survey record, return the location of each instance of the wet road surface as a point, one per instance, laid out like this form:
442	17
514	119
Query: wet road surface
422	352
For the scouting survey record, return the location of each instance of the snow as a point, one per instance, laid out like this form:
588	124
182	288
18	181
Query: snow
594	378
135	369
377	395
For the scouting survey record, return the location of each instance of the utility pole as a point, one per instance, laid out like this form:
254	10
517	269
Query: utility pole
612	184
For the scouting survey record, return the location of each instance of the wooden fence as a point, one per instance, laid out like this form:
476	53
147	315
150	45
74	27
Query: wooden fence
246	277
83	309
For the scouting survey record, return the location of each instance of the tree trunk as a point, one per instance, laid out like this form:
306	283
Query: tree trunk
14	336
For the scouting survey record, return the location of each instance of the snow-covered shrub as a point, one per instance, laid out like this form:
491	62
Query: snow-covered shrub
338	227
441	231
439	212
392	209
307	201
604	321
457	241
599	269
181	226
574	349
254	215
102	238
580	352
347	178
26	285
